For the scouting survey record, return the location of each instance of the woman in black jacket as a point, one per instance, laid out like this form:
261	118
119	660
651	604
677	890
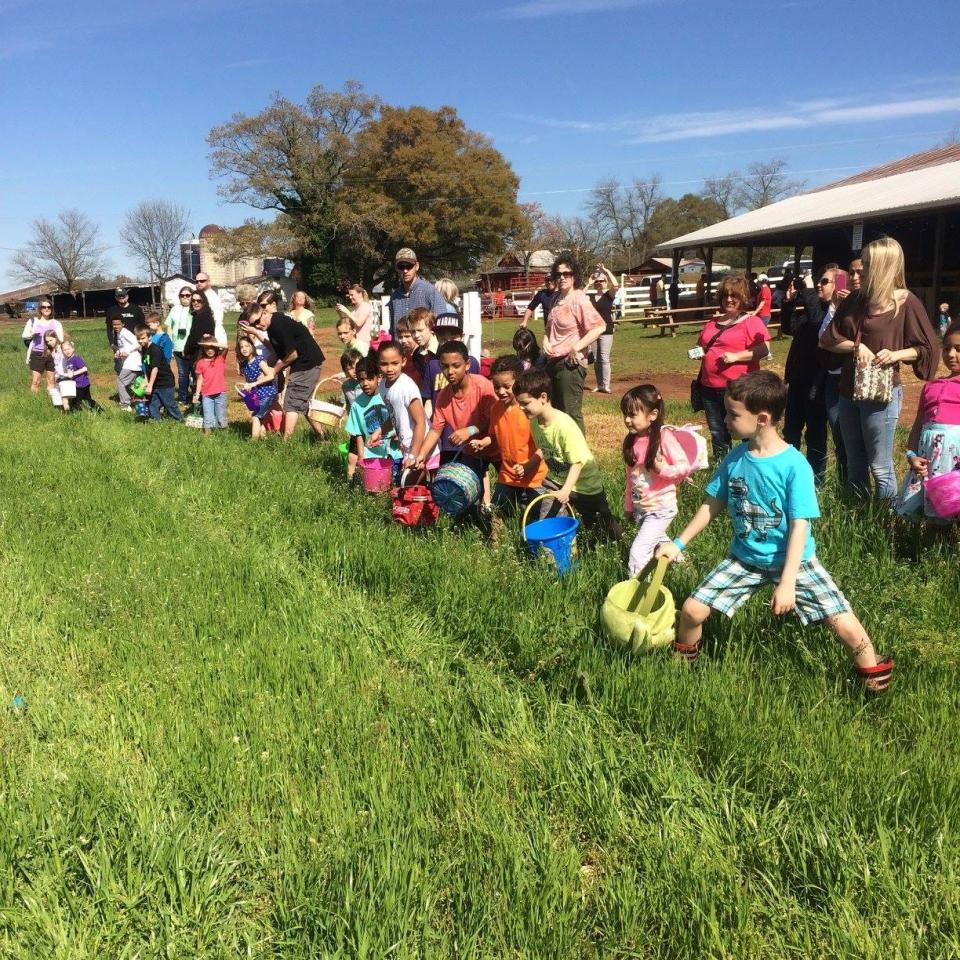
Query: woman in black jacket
203	325
806	366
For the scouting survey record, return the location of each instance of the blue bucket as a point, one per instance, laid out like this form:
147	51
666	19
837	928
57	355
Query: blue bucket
555	534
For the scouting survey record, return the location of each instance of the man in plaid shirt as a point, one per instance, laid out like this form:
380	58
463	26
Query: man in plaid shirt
767	487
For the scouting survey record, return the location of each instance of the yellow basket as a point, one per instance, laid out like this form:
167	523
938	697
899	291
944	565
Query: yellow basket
640	619
323	412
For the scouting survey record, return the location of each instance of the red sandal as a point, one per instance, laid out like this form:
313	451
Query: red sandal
688	652
876	679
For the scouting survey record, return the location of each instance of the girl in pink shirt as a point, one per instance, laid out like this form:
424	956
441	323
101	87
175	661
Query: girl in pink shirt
211	389
656	463
933	447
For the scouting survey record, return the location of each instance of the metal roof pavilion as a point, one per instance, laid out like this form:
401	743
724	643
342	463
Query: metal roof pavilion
929	188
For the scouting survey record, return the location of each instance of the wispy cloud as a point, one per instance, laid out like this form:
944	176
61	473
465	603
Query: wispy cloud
664	128
535	9
12	49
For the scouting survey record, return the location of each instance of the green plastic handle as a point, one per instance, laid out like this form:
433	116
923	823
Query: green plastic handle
654	588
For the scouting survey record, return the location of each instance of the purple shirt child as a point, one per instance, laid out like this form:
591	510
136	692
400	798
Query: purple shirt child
76	362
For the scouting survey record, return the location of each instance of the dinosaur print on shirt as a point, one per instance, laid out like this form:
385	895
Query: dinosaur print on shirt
763	494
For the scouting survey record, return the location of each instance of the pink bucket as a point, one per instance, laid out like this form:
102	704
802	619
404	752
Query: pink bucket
943	494
377	474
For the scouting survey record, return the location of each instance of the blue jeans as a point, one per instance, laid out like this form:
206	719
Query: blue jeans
184	376
832	400
807	413
716	414
214	411
868	431
163	397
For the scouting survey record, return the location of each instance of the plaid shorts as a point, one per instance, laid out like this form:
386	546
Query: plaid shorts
730	584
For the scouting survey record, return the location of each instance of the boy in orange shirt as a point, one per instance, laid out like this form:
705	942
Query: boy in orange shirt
510	430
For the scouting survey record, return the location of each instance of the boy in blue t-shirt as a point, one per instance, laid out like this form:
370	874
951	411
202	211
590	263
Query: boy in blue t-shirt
369	423
767	487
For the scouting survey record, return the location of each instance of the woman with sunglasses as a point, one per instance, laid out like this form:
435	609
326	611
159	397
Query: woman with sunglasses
731	344
202	325
806	368
178	325
39	359
572	326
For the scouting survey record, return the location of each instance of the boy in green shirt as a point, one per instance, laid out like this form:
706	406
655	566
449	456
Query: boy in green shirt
573	472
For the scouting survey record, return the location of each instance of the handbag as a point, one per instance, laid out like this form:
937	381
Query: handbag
871	384
696	387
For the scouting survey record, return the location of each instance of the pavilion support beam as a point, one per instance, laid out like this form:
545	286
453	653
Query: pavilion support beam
939	234
708	269
797	254
749	269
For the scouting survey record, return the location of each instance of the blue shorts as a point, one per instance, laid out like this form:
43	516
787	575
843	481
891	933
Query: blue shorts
730	584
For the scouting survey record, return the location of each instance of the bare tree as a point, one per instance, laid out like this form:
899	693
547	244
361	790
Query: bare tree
621	215
582	237
152	232
63	252
767	182
724	191
952	138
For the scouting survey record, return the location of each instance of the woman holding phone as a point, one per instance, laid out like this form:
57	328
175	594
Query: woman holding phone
806	366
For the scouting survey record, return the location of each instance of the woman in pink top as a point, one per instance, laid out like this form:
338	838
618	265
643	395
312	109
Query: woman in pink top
734	343
572	325
361	316
933	447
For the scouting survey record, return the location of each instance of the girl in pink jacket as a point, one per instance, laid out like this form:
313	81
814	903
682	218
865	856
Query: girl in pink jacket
656	462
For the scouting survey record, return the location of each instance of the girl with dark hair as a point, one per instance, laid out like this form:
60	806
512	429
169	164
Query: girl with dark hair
202	325
656	462
571	328
527	349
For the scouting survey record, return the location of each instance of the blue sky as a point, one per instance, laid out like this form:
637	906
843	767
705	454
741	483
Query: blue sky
109	103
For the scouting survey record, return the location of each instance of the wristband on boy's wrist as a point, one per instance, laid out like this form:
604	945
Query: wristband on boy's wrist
679	544
911	454
472	431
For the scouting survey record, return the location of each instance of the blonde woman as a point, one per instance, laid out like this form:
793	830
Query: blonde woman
361	316
301	309
892	327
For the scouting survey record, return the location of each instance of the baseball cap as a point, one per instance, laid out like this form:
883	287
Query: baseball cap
447	321
762	276
120	292
406	255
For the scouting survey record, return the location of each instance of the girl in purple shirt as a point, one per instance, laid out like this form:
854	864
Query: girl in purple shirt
75	369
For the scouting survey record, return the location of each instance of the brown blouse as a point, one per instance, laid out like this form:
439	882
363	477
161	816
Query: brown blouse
908	326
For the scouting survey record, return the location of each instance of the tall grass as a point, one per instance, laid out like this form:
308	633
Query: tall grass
261	720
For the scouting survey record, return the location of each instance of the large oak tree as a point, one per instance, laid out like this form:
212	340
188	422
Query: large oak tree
351	180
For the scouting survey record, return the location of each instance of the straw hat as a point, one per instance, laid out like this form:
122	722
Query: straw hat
208	340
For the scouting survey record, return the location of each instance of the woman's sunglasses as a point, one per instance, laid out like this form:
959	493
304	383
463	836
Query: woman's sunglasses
562	273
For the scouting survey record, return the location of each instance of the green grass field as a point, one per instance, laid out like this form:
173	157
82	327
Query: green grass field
259	720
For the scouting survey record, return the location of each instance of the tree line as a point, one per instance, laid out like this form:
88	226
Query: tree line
342	180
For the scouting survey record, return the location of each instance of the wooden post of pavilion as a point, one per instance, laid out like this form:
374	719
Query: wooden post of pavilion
939	233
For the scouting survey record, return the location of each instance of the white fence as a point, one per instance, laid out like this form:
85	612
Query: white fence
634	300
